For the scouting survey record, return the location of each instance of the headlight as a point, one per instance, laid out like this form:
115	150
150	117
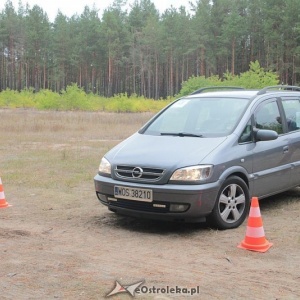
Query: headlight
194	173
105	166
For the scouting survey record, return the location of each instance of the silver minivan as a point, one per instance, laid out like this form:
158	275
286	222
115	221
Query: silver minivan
205	156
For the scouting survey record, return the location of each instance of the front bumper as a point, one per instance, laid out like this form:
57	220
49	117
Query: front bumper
200	200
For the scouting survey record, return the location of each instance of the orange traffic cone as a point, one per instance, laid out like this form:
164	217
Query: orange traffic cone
3	202
255	235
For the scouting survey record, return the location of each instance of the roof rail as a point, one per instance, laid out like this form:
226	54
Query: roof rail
279	87
216	88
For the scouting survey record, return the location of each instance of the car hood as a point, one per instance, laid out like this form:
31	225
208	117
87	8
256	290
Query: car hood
169	152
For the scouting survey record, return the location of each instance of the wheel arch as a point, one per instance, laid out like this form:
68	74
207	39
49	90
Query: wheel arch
231	220
239	172
242	176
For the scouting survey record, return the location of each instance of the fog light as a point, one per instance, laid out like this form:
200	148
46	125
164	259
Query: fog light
179	207
101	197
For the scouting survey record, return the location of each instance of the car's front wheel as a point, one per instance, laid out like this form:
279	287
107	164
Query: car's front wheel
232	204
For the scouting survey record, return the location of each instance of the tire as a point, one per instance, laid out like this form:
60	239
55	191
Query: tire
232	204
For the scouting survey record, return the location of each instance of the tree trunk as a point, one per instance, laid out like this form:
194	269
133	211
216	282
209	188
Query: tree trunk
233	57
156	77
109	84
171	87
202	62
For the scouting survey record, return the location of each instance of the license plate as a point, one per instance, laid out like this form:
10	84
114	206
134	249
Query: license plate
136	194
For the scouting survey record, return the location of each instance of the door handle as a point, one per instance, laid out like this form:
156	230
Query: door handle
285	149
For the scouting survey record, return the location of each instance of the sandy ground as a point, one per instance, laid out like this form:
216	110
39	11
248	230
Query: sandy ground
61	243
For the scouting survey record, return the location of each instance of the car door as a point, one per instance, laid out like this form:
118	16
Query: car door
271	159
291	107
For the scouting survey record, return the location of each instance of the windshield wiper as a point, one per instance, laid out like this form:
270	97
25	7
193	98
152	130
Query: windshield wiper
181	134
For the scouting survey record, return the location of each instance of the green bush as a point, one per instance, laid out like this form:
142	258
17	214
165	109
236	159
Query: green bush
74	98
255	78
134	103
46	99
195	83
14	99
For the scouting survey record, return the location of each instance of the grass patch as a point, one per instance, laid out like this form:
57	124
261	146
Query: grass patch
59	149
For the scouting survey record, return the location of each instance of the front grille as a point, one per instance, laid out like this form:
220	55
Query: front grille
157	207
139	173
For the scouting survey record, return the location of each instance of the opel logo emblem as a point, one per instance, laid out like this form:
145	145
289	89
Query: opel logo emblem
137	172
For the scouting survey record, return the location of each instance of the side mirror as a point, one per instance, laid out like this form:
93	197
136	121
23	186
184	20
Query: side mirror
265	135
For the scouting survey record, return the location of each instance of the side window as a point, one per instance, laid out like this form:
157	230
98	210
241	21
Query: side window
267	116
246	136
291	108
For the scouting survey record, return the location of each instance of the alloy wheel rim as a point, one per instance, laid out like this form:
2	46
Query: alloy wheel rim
232	203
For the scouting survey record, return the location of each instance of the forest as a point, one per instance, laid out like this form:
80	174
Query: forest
140	51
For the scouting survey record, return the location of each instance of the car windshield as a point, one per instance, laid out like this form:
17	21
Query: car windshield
199	117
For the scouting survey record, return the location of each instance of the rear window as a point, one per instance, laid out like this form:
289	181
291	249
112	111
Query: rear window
292	112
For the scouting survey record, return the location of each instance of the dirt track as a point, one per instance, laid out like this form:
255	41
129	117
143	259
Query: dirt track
58	242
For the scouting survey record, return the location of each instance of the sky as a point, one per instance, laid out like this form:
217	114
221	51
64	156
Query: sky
72	7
